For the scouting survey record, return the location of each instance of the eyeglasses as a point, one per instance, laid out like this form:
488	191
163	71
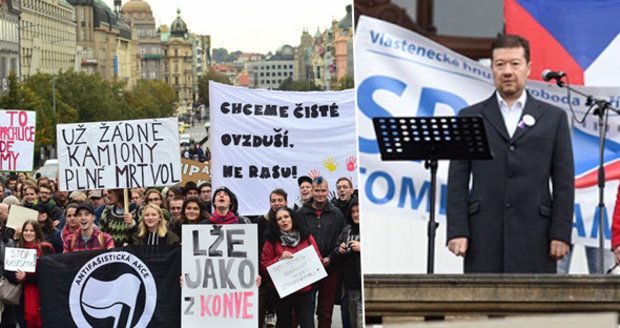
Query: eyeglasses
44	193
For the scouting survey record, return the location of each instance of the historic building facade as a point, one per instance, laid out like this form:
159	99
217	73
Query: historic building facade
179	61
47	36
105	43
9	41
138	15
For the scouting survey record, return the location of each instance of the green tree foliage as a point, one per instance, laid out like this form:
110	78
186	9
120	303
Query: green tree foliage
203	85
290	85
219	55
94	98
345	82
151	98
80	97
21	97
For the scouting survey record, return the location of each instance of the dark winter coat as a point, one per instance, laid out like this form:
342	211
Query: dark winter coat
510	214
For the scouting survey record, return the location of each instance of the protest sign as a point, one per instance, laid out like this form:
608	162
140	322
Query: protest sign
264	139
194	171
23	259
136	286
219	269
17	135
122	154
291	275
401	73
18	215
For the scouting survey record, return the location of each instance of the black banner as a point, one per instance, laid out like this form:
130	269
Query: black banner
112	288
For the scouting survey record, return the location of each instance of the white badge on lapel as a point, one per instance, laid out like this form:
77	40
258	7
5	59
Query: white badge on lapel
528	120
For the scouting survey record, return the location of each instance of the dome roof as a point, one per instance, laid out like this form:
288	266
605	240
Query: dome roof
136	6
347	22
178	27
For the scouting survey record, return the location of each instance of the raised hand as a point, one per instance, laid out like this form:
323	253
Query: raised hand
351	166
329	164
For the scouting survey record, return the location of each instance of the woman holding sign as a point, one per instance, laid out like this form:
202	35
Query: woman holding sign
28	314
285	237
152	229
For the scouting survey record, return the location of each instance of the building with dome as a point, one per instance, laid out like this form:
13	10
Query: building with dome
47	36
179	61
343	45
104	40
138	15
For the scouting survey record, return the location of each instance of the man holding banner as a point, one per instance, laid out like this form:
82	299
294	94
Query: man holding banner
509	221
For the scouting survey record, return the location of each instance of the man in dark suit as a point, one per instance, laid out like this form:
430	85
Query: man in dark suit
510	220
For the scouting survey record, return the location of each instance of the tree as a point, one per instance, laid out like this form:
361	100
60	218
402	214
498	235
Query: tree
219	55
290	85
345	82
203	84
21	97
151	99
94	98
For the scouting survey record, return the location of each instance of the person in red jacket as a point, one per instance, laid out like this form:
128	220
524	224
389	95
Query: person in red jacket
285	237
32	237
615	229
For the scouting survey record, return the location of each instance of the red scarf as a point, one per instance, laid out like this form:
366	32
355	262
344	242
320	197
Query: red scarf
229	218
32	313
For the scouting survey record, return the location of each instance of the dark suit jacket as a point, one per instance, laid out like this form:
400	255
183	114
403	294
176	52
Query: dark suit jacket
510	215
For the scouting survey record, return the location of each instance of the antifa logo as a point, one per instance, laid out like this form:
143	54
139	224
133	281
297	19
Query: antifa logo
114	289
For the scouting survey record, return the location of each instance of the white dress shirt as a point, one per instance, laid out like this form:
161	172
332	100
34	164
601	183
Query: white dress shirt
512	115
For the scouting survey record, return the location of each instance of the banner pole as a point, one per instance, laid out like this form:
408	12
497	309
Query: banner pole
126	200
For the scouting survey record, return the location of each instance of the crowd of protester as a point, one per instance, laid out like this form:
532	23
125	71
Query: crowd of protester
98	219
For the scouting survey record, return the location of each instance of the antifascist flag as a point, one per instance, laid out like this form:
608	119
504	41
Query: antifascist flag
135	286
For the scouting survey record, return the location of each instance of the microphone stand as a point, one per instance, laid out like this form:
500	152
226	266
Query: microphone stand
600	110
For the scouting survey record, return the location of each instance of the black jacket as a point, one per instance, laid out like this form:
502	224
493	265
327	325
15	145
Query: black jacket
351	265
325	228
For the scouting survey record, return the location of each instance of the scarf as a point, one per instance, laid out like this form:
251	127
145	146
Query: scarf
290	239
66	232
31	292
229	218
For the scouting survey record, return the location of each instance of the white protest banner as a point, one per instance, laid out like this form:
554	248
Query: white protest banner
219	269
291	275
122	154
18	215
263	139
401	73
17	136
23	259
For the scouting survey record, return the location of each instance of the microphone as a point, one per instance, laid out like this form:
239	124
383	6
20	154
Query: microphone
548	75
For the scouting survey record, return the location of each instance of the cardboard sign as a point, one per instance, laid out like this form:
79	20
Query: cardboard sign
23	259
219	269
17	136
291	275
122	154
195	171
18	215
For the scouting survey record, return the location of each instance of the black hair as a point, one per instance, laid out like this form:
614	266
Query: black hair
273	230
511	41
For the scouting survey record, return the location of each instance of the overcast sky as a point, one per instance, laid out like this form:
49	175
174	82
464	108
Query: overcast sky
250	25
